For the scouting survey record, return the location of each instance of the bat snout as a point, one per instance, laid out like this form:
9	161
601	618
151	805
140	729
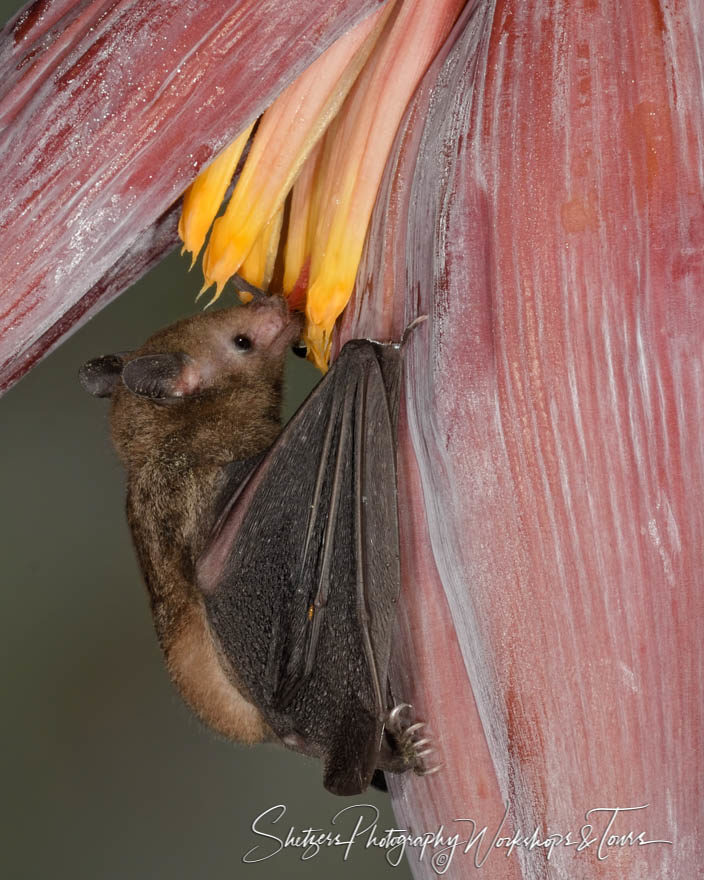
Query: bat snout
275	325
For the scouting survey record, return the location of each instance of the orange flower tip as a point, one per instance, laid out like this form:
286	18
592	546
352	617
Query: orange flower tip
216	296
211	301
318	341
319	360
194	256
206	285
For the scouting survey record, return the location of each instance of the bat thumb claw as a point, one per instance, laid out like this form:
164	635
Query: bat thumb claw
394	715
416	322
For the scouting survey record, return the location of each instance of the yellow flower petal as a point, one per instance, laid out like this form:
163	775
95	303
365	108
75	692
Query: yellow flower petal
286	135
302	220
333	160
258	265
202	199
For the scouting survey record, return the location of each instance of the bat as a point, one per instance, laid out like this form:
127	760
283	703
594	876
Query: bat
271	556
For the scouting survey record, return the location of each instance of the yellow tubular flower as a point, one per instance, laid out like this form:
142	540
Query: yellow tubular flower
327	136
287	133
258	266
302	220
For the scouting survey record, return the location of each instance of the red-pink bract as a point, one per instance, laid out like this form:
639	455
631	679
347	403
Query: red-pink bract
545	209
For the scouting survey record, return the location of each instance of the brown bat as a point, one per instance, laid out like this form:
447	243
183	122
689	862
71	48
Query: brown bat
271	557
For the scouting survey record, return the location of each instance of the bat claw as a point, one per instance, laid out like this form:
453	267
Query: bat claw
411	327
428	771
241	284
414	728
393	719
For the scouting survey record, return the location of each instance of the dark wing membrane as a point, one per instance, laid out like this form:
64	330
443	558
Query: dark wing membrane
302	574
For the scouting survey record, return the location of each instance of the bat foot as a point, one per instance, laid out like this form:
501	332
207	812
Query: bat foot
411	751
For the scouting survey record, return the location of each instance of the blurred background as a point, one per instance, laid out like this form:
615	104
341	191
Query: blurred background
105	773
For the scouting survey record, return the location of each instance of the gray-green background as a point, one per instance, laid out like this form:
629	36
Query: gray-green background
105	774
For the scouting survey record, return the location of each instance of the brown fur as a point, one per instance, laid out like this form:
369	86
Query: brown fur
174	453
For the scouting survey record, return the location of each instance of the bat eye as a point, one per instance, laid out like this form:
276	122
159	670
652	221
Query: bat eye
300	349
242	343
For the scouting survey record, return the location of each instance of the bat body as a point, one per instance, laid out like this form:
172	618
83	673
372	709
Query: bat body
271	557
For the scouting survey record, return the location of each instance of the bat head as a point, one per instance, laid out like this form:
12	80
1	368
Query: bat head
207	352
219	364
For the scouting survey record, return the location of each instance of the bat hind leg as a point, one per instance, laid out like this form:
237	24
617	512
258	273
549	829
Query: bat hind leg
403	747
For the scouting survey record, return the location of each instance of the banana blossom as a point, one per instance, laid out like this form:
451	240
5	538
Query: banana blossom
543	204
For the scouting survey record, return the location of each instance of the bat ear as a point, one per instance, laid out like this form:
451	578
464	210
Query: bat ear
162	377
100	376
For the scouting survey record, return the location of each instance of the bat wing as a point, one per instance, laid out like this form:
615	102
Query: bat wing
301	575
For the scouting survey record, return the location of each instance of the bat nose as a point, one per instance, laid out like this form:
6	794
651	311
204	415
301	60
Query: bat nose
279	306
274	326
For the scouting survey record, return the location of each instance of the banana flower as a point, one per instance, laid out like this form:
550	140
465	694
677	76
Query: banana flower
542	202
